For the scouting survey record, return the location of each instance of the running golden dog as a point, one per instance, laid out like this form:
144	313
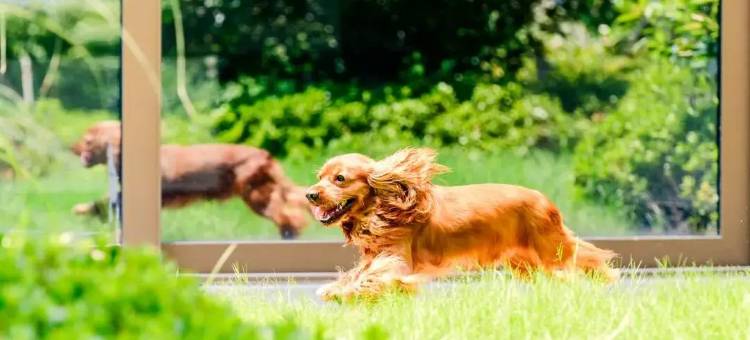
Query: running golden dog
409	230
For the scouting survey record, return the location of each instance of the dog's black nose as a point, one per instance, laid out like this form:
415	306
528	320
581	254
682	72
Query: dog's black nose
312	196
288	234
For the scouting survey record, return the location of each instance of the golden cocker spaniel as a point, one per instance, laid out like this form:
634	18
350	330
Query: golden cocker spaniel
409	230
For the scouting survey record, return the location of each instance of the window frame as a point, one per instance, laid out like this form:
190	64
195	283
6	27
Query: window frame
141	172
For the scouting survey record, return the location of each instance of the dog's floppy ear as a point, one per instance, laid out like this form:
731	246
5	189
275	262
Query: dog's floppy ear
402	181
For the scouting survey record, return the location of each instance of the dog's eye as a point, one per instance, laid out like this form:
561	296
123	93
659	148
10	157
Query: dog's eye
340	178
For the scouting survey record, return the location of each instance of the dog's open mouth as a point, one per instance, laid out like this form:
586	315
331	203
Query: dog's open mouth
328	216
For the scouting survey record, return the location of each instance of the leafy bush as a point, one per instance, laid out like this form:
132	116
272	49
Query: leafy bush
58	288
26	148
589	87
680	30
661	159
657	151
73	47
503	117
494	117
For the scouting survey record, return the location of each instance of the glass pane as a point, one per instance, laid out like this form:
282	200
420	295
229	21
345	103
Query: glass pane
610	108
59	76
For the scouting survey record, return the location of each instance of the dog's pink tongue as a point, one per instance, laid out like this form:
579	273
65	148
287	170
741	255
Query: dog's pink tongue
319	213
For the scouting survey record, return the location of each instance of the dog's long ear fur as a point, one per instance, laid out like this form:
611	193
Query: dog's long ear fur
403	182
77	148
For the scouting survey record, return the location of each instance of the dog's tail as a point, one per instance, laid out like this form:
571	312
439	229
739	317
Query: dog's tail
594	260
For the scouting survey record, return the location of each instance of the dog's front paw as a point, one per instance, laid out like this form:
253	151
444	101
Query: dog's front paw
84	209
329	292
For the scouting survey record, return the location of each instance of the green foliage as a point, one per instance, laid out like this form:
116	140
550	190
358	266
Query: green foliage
685	31
504	118
373	41
657	151
280	37
77	27
494	117
201	83
57	288
26	149
589	87
591	13
72	46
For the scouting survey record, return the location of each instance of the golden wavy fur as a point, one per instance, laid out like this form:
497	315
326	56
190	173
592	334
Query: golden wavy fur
409	230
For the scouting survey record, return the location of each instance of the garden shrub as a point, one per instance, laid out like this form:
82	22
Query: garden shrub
506	118
58	288
657	151
85	39
684	31
286	124
496	116
589	87
26	148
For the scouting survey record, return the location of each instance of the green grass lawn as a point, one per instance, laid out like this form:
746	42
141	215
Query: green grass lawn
691	306
45	203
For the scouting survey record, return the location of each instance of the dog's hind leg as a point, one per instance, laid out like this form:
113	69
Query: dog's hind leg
523	263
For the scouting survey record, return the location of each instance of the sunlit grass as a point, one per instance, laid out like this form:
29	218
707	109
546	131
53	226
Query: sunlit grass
45	204
689	306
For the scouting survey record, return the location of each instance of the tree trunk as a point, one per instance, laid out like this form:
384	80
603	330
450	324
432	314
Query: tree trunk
27	79
3	45
52	71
